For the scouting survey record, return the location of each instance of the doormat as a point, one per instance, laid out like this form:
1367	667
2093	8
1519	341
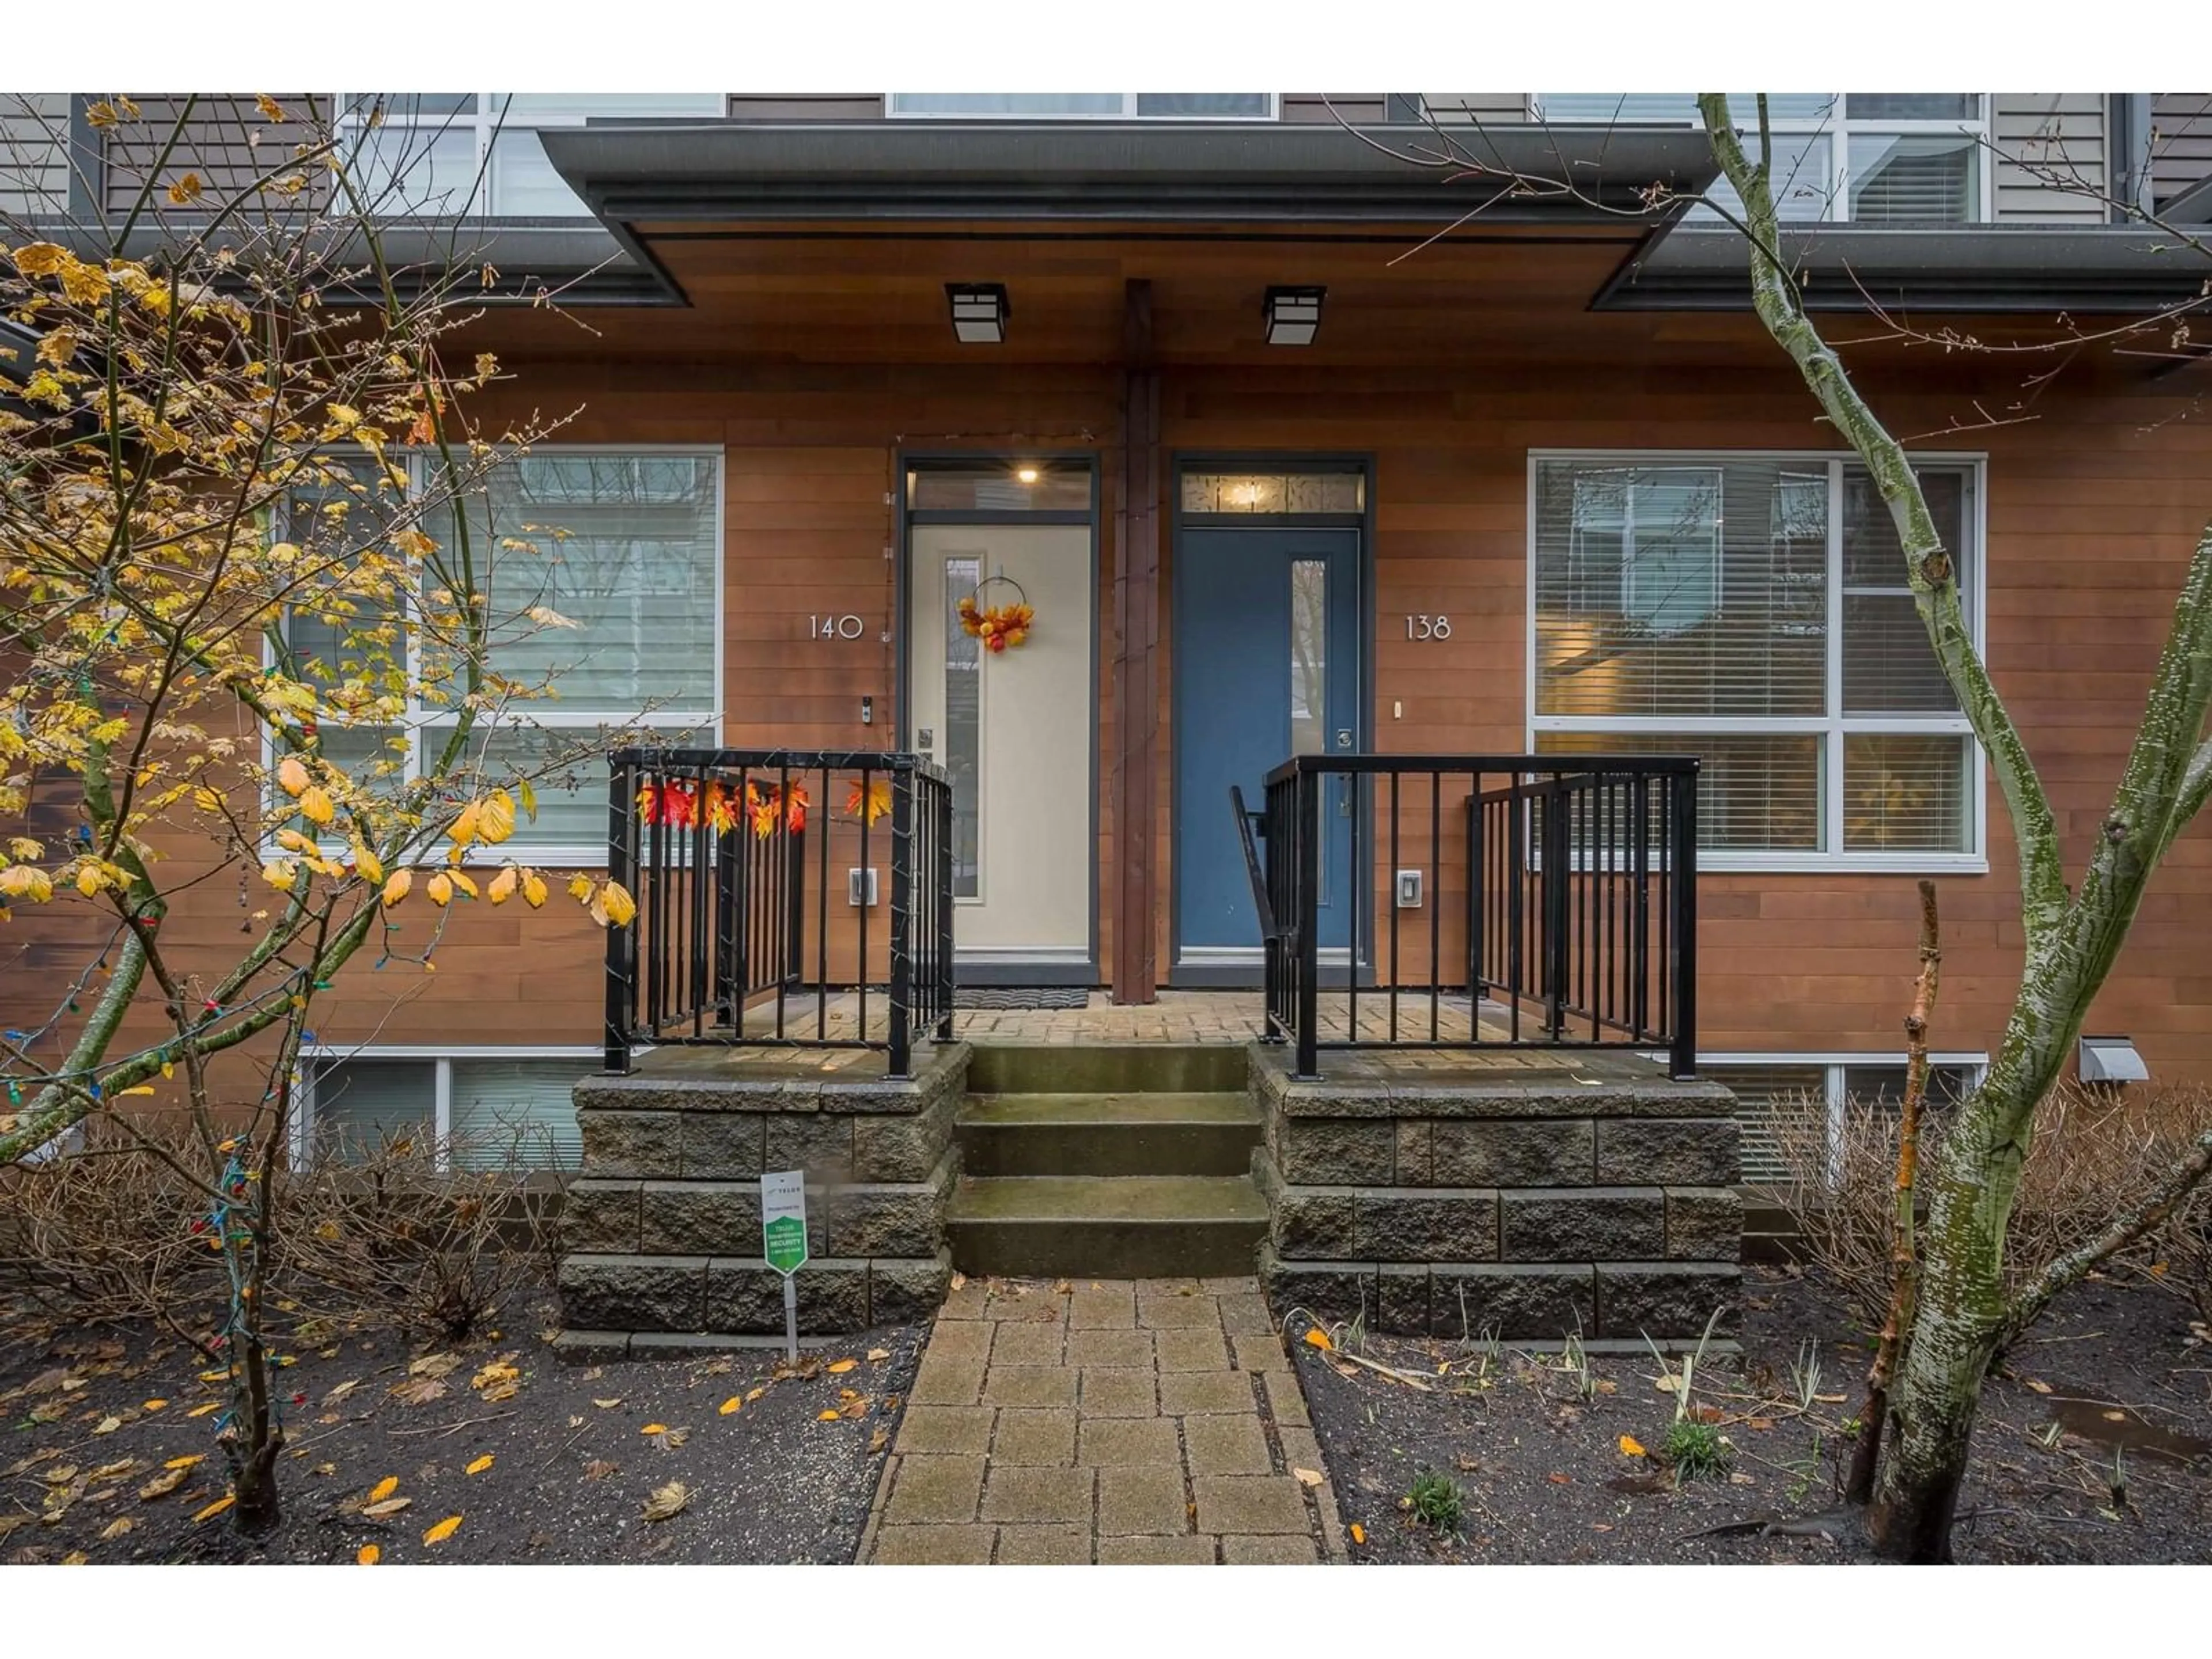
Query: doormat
1020	996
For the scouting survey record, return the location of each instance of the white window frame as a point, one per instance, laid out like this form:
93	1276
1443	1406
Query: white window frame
1833	1063
552	713
489	121
1832	726
1839	129
1127	112
313	1056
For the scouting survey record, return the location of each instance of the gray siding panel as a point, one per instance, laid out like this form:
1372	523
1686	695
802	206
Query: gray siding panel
1361	108
2052	158
226	141
806	107
2181	141
34	153
1462	108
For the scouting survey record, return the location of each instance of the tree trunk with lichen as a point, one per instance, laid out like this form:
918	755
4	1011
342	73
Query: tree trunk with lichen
1965	1316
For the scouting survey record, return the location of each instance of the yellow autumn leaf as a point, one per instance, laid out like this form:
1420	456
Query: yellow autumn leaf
216	1508
461	882
654	1428
88	881
370	866
185	1462
115	1529
315	806
733	1403
620	907
501	886
439	887
292	776
186	191
445	1530
283	875
25	881
202	1411
534	890
826	1416
841	1366
1319	1339
495	817
580	888
1631	1447
368	1555
479	1465
153	1404
40	258
384	1489
397	888
465	827
1358	1533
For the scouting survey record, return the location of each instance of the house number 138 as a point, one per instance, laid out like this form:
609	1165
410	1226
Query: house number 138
1428	628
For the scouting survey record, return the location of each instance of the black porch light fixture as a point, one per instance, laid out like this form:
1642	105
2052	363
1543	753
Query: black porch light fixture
1293	315
979	312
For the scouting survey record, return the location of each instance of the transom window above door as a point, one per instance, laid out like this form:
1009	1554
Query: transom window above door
1867	157
1087	106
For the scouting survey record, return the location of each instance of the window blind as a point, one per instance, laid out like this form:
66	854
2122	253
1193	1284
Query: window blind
1755	794
360	1103
1673	108
1914	178
516	1112
1766	1097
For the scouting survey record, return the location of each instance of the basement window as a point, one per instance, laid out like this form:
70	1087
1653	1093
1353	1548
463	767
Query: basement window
487	1109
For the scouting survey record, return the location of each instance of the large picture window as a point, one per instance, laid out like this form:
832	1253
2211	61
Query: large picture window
1885	158
624	546
1754	611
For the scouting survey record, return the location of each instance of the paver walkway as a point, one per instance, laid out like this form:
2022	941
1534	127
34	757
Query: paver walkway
1106	1421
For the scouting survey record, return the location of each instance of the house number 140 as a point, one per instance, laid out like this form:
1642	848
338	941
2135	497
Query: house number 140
1428	628
847	627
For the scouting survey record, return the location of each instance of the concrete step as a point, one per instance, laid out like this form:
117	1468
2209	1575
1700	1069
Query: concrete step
1108	1134
1066	1068
1106	1226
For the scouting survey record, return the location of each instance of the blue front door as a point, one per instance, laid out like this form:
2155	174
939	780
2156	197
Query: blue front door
1266	665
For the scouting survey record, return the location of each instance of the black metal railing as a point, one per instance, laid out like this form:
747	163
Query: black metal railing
758	921
1478	902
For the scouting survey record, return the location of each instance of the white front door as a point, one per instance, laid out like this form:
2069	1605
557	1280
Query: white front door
1013	729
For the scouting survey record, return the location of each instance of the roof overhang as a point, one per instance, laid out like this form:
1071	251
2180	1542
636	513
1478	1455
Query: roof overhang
1985	269
1157	173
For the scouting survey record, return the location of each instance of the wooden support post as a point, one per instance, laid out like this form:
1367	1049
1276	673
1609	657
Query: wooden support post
1136	658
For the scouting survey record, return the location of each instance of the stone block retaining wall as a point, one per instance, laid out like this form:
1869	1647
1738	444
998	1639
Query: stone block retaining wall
661	1231
1530	1209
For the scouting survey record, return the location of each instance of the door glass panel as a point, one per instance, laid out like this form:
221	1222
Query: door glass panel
1309	655
961	748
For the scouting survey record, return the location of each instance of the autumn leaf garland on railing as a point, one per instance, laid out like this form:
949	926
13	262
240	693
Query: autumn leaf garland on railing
682	804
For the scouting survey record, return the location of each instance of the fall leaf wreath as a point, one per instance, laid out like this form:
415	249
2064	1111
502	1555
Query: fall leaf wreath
1000	626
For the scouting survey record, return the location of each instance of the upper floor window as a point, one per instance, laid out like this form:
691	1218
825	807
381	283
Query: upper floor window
1867	157
1753	610
1088	105
449	153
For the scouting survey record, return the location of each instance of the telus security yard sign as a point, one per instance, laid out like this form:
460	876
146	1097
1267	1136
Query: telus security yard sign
783	1241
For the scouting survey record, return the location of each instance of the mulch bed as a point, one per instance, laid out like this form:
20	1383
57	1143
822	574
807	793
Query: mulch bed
565	1469
2113	1383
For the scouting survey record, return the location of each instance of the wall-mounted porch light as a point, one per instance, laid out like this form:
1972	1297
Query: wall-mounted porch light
1293	315
1026	474
979	312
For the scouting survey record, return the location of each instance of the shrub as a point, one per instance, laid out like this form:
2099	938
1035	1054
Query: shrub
1435	1501
2095	1153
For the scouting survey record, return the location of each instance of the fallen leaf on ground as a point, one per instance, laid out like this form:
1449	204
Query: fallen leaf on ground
434	1364
340	1392
607	1405
2116	1417
61	1474
1319	1339
1759	1422
654	1428
107	1426
163	1485
1600	1526
1740	1479
1668	1384
958	1280
1631	1447
1308	1477
732	1404
879	1354
826	1416
116	1528
419	1391
666	1501
1062	1288
838	1368
479	1465
390	1506
878	1440
445	1530
1358	1533
202	1411
185	1462
368	1555
599	1469
1838	1399
111	1471
752	1394
384	1489
1704	1414
216	1508
153	1404
670	1439
75	1559
1559	1480
1606	1386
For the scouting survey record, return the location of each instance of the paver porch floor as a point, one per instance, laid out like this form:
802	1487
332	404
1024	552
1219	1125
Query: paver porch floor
1106	1421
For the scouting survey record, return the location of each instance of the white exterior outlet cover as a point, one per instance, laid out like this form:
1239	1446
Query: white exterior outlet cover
861	888
1409	890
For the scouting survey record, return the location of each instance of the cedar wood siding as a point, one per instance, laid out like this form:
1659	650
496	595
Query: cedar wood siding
2091	512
